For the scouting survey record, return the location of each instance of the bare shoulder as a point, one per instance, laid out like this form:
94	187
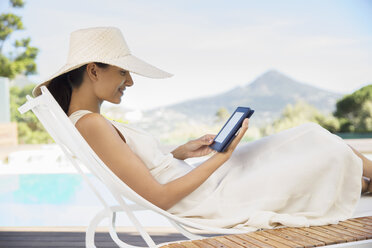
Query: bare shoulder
102	138
95	126
91	120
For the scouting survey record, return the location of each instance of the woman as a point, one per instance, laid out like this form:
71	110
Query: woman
298	177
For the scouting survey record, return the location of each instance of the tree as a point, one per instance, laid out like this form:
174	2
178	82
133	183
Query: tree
299	113
22	59
355	111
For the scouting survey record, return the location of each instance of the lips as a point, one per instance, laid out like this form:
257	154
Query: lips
121	88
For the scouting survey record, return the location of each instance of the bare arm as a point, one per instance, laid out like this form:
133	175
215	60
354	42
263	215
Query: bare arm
116	154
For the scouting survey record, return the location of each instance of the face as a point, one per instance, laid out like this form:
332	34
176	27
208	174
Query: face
111	83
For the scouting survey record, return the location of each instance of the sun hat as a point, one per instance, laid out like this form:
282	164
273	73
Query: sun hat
105	45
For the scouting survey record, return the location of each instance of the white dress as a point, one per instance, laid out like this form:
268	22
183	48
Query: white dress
298	177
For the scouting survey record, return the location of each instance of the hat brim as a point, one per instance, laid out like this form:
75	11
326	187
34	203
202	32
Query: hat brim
129	62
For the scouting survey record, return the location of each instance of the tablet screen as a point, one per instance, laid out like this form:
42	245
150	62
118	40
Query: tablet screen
229	126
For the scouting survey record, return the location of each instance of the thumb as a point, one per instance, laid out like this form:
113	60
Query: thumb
240	135
243	128
245	123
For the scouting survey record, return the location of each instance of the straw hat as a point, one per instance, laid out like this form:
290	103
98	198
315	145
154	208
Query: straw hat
105	45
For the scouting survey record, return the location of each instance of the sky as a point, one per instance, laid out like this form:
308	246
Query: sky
212	46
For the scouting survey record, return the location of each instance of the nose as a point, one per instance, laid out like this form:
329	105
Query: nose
129	80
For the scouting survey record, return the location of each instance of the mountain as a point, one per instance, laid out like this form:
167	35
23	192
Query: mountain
267	95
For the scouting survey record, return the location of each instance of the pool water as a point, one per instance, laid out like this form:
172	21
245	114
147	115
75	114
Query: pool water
43	189
57	200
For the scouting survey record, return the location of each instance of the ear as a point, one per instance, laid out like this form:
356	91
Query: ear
92	72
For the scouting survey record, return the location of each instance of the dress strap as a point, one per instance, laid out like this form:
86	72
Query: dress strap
74	117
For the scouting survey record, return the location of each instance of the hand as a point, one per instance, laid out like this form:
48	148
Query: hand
229	150
194	148
199	147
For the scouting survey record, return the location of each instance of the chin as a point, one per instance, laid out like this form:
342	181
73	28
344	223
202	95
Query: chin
116	101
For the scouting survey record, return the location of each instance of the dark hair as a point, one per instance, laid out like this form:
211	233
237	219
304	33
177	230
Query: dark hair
61	86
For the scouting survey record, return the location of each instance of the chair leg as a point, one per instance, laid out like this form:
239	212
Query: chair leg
111	214
91	231
117	240
185	232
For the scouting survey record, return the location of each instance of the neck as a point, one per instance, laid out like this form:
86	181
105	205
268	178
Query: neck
84	99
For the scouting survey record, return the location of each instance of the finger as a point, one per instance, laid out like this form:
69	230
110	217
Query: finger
206	140
243	128
240	135
245	123
211	136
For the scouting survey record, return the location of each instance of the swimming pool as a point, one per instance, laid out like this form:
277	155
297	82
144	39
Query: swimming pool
56	200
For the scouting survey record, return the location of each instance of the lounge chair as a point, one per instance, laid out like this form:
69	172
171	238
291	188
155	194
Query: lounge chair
81	154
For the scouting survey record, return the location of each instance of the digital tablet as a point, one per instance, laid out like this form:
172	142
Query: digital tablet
230	129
